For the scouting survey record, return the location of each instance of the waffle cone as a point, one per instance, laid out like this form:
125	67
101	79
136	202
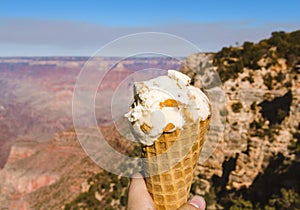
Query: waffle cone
170	163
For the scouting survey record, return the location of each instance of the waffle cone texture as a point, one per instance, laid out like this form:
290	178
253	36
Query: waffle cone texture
170	162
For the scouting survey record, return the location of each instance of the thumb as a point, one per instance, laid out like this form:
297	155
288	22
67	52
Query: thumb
138	195
196	203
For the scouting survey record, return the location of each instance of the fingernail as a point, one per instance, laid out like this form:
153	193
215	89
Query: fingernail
198	202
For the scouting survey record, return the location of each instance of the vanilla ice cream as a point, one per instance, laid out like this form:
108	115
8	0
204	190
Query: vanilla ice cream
159	103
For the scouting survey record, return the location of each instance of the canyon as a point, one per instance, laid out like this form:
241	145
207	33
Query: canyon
253	130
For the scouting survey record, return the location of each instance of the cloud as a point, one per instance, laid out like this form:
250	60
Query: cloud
60	37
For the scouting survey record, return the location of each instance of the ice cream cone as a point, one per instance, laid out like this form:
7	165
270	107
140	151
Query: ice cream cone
169	117
169	177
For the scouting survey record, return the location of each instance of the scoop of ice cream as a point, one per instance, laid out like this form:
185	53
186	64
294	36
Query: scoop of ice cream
159	103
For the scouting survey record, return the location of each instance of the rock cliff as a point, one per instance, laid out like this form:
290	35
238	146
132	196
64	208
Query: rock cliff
262	113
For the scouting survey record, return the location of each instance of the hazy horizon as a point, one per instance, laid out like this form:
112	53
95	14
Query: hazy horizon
35	28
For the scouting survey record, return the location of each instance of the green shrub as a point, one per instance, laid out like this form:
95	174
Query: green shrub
240	204
250	79
287	199
236	107
124	200
210	197
110	186
256	125
280	77
253	106
231	61
288	84
268	81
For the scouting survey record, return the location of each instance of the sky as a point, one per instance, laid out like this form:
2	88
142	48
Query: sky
80	28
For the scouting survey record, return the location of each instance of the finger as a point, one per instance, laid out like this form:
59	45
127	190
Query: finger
196	203
138	195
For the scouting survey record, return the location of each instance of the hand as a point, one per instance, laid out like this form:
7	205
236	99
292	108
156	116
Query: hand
139	197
